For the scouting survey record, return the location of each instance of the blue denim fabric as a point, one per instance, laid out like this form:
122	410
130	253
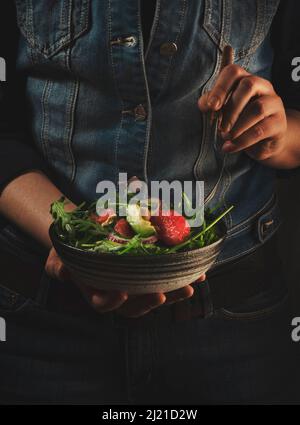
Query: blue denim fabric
58	350
87	73
240	355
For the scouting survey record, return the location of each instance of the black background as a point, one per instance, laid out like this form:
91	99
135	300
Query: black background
289	240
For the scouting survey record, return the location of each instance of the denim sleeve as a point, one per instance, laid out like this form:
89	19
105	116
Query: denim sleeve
17	154
285	39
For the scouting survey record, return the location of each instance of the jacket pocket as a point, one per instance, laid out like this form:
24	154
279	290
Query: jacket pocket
258	307
242	24
11	301
52	25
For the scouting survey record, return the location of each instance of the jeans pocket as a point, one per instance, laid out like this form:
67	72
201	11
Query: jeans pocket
49	26
259	306
12	302
22	269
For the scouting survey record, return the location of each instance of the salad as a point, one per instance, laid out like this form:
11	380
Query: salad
138	233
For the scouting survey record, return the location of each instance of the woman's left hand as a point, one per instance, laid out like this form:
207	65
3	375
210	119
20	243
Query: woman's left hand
253	117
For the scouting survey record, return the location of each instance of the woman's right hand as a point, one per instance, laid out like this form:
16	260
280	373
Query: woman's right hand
105	301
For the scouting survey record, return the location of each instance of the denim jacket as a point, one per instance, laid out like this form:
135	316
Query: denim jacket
101	103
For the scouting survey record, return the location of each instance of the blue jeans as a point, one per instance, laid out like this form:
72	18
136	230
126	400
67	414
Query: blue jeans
58	350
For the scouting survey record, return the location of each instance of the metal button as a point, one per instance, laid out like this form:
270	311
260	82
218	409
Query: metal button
139	113
266	226
168	49
12	299
124	41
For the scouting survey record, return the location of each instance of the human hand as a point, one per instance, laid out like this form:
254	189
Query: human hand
253	117
126	305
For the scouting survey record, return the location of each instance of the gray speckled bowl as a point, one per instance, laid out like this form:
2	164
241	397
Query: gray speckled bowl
138	274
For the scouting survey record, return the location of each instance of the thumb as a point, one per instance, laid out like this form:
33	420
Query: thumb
55	268
203	103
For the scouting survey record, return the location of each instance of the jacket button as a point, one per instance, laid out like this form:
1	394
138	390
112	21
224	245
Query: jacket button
168	49
124	41
265	227
12	299
140	113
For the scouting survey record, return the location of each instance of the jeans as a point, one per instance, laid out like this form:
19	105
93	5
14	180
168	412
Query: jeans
58	350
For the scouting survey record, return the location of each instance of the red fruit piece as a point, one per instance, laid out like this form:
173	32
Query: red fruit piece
106	217
172	228
123	228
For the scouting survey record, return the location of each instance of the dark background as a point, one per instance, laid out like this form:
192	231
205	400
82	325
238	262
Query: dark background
289	240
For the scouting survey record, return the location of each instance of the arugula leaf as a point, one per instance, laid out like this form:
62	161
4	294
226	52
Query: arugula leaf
78	229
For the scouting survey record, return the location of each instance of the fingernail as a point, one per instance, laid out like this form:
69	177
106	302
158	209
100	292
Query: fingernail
214	102
124	296
200	280
163	299
226	128
228	147
225	135
191	293
97	300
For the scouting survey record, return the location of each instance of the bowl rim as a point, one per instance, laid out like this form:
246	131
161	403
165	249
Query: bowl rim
54	237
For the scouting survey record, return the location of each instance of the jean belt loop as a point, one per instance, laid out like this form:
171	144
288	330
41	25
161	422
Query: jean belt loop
43	291
208	307
201	303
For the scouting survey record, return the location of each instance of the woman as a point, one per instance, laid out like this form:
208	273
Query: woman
103	97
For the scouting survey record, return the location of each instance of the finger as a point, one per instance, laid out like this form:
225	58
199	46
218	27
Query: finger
261	151
227	80
103	301
179	295
267	129
201	279
54	267
203	103
64	275
247	88
183	293
142	305
255	111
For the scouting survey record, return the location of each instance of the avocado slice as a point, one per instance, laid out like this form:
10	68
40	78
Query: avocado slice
140	226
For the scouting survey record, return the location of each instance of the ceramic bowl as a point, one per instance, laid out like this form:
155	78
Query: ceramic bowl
138	274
